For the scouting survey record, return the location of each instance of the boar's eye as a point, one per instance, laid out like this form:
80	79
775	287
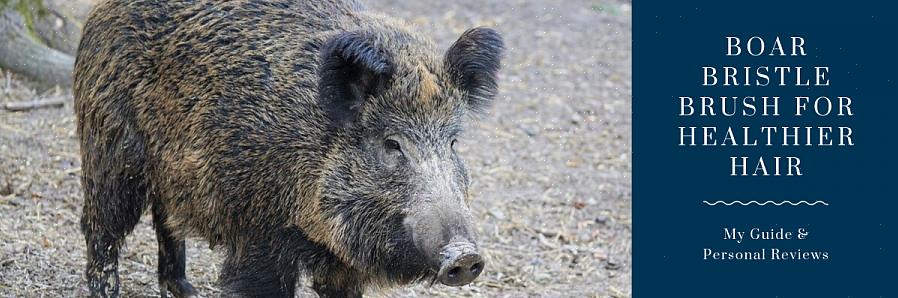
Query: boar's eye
452	145
392	145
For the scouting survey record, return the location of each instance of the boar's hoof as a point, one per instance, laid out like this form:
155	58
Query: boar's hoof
178	288
461	264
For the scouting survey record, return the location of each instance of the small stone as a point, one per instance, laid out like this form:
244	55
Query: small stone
498	214
530	131
584	237
612	265
576	118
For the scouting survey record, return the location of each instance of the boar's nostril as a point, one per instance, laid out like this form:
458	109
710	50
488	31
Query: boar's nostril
453	273
476	268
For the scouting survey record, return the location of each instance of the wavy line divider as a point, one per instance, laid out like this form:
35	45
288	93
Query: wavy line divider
766	202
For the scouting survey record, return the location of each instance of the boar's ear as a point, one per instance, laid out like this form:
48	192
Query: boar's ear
473	62
352	69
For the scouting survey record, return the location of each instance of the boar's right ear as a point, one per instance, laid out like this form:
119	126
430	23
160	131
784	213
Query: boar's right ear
352	69
473	62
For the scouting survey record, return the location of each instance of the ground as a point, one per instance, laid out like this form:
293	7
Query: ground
550	165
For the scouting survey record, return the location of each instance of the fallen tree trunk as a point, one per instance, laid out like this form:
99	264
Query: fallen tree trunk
38	38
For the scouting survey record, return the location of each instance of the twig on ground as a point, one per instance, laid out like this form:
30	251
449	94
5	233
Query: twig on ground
19	106
7	81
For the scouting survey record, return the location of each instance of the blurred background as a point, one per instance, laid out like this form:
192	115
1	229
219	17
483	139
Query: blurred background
550	164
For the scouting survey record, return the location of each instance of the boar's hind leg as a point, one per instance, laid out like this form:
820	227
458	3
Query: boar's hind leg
114	197
172	258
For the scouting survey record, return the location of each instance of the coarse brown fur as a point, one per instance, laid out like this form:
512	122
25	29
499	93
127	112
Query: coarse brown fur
216	116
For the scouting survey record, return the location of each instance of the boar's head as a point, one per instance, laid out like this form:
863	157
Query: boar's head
394	189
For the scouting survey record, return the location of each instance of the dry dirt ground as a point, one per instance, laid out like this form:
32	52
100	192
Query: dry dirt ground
550	164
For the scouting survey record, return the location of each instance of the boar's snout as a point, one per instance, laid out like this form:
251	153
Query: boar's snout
444	236
461	264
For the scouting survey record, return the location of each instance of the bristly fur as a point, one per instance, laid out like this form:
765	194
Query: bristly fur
250	124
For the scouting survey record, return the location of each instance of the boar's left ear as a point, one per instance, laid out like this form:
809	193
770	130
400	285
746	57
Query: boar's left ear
352	69
473	62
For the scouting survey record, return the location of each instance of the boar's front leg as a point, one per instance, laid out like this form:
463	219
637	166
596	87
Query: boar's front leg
337	281
326	291
259	270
